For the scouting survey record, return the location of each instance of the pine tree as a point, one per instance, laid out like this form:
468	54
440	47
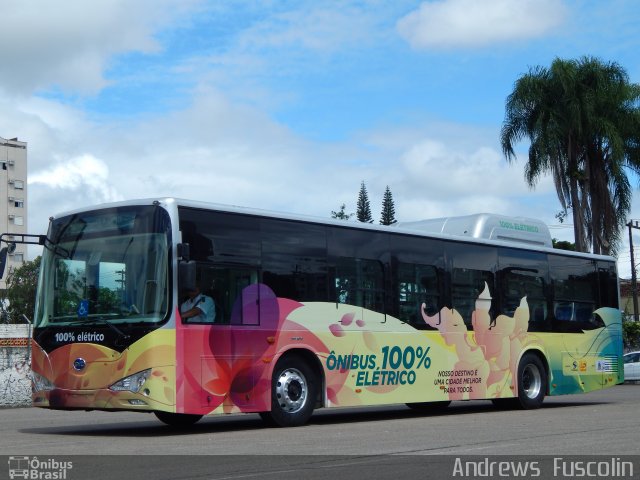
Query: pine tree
363	212
388	216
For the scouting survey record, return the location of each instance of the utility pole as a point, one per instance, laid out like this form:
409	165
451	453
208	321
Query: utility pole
634	281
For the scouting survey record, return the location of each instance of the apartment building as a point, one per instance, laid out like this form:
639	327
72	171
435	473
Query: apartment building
13	197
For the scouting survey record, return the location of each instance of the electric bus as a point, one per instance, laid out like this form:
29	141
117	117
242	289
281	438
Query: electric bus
312	313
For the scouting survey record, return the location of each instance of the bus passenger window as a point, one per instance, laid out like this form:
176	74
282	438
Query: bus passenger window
575	290
467	285
417	285
518	284
360	282
294	260
225	285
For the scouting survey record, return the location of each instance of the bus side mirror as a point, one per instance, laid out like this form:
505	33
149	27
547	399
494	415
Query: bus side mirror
3	260
187	275
10	248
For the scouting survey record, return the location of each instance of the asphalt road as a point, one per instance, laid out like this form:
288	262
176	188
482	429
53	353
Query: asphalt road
375	442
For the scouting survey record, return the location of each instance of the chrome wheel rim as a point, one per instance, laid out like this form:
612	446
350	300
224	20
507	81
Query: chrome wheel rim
531	381
291	390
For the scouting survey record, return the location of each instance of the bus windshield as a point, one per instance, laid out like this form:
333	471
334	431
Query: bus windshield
106	266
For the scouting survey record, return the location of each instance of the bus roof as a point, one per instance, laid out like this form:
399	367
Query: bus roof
482	228
488	226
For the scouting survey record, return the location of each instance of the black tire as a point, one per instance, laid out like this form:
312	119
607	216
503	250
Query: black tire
294	389
429	406
532	382
177	419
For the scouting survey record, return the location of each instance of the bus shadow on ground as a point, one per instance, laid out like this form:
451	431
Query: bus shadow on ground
151	427
327	417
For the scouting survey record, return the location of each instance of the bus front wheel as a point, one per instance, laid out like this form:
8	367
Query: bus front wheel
177	419
294	390
532	381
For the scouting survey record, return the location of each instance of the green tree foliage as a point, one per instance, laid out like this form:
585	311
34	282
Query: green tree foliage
70	292
108	301
388	216
363	212
563	244
341	214
21	291
582	118
73	289
631	334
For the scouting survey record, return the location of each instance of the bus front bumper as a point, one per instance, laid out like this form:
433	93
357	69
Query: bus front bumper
99	399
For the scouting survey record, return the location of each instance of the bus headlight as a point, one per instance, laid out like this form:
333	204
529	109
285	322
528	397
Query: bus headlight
132	383
40	383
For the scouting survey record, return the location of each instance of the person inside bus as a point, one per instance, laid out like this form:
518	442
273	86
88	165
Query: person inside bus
198	308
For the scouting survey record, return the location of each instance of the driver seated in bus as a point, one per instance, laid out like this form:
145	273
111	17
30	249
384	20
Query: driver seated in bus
198	308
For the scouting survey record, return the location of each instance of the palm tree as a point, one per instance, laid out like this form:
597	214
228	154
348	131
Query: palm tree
611	150
582	118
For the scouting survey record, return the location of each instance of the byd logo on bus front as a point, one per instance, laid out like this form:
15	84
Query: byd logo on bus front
33	468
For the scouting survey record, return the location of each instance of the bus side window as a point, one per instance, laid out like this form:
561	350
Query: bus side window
608	283
360	282
518	284
225	286
294	260
575	289
466	287
417	285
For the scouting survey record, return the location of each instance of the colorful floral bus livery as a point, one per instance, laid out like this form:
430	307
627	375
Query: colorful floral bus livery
479	371
309	314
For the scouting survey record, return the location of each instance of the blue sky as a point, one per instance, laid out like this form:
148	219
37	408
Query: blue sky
289	105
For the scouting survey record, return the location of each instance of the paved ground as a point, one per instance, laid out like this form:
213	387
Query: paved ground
598	423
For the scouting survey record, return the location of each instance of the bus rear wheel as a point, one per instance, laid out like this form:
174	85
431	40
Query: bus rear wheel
294	390
177	419
532	381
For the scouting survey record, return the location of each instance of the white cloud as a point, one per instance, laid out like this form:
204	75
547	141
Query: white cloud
314	27
219	151
472	23
85	173
289	41
438	178
69	44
